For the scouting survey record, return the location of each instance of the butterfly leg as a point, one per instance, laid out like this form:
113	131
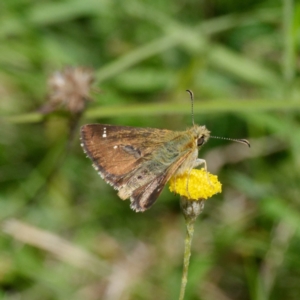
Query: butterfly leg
200	161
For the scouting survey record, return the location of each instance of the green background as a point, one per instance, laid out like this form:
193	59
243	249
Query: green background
64	232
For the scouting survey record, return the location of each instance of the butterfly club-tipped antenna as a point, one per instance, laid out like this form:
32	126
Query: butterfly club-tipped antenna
242	141
192	104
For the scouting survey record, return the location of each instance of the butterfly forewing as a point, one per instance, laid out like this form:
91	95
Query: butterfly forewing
117	150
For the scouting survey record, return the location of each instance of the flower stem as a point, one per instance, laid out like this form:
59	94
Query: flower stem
191	210
187	255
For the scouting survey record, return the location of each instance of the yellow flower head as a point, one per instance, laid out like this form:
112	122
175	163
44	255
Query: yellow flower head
197	185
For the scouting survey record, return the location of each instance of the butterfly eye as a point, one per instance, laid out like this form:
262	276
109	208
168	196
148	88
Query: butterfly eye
200	141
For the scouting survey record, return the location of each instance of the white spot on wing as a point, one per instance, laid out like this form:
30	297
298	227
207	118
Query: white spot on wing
104	132
115	147
95	167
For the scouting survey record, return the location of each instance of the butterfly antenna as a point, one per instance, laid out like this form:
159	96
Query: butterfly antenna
192	102
242	141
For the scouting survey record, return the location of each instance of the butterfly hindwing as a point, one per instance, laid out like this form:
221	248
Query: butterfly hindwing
145	196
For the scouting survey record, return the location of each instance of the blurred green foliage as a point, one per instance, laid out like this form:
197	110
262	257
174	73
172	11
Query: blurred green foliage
65	234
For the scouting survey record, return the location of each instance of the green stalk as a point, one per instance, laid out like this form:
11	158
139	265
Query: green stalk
187	255
289	52
191	210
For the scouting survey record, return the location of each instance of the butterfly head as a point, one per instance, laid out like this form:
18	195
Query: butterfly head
201	134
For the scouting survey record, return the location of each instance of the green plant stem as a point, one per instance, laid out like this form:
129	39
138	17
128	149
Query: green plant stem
154	109
288	39
191	209
187	254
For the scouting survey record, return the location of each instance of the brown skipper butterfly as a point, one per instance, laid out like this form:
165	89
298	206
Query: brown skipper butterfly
138	162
